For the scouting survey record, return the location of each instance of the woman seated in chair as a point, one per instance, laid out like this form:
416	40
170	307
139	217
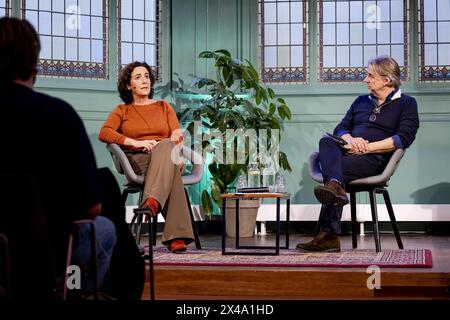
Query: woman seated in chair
375	125
148	130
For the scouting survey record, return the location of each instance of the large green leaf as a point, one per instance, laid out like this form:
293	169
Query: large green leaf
207	203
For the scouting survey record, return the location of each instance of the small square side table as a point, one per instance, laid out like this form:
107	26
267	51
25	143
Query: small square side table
241	196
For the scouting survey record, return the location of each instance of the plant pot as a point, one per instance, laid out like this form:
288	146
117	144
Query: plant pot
248	210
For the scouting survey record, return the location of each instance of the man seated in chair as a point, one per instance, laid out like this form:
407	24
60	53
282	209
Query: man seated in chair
375	125
45	138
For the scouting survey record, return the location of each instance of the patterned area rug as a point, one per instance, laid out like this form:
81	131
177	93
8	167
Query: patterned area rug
408	258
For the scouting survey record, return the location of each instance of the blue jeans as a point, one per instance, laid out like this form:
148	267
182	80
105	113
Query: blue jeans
105	241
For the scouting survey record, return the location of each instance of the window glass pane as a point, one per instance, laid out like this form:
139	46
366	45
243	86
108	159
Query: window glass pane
97	7
71	49
32	17
296	56
283	57
85	27
384	8
283	12
329	34
126	52
270	57
343	56
58	48
150	10
384	50
45	23
57	6
430	31
397	32
270	13
370	52
296	34
356	31
85	50
58	24
138	9
45	5
46	47
283	34
342	11
429	11
398	54
342	33
384	33
356	56
444	54
138	31
270	35
296	12
126	30
329	56
97	51
431	55
126	9
97	28
329	12
397	10
150	32
33	4
356	12
443	9
138	51
85	6
443	31
370	35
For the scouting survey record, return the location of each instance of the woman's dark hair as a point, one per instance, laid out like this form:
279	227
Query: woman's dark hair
19	50
125	77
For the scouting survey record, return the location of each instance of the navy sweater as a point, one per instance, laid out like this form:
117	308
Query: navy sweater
398	118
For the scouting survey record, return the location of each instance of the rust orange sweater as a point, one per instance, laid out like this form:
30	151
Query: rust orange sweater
155	121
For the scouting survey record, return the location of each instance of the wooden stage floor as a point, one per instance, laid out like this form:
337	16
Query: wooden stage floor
267	283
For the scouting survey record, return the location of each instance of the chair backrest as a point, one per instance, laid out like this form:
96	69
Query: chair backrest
123	165
381	179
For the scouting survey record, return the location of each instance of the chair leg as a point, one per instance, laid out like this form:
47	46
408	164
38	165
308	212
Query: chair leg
194	227
388	202
150	258
376	233
154	228
353	215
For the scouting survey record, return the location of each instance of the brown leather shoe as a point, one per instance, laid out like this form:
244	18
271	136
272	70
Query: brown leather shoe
331	193
323	242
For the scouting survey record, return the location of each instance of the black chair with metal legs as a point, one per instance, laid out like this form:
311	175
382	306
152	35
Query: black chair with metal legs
373	185
135	183
93	266
5	269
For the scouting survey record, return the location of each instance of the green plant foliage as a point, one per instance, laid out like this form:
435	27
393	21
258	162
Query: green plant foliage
239	100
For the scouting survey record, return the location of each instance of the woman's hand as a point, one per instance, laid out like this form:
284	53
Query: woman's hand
144	145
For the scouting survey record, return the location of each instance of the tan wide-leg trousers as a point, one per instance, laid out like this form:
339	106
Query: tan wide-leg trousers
163	183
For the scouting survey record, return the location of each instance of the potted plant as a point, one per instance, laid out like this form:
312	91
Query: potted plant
236	99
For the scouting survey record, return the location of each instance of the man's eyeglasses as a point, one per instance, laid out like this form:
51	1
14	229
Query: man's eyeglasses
375	111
